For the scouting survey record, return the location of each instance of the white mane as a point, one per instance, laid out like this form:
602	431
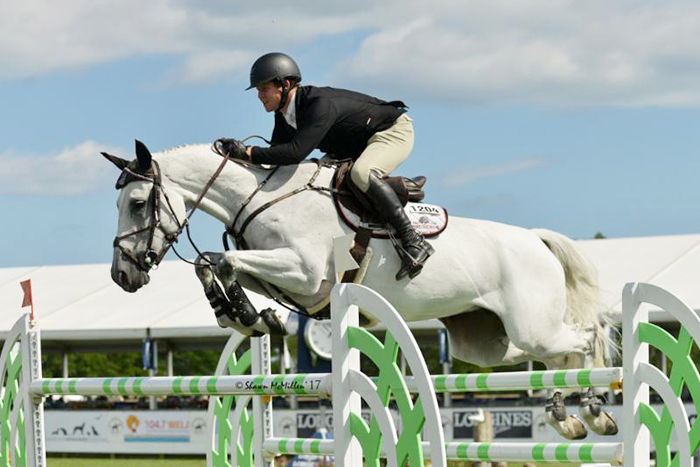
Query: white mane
185	149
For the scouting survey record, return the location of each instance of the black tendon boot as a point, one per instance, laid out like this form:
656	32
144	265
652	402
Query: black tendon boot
247	314
415	249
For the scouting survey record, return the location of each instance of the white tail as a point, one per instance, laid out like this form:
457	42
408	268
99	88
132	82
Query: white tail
583	308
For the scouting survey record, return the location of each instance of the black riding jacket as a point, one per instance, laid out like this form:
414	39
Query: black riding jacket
336	121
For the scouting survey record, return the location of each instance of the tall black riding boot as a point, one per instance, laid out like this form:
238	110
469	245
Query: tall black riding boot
415	249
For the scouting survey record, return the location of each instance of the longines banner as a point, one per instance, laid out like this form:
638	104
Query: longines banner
506	423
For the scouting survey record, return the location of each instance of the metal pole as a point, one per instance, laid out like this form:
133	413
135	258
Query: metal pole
483	432
153	400
65	363
287	359
447	397
170	361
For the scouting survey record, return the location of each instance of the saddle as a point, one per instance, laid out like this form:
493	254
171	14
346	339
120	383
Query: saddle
407	189
356	210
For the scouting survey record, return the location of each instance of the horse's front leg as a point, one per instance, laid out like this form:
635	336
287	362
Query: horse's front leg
235	311
283	267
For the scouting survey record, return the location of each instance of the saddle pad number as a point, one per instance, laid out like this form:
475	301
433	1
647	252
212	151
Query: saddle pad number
428	219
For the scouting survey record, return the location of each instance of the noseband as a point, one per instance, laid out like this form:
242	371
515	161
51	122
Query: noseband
151	258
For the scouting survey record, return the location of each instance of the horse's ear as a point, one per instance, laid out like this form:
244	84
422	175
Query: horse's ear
118	161
144	156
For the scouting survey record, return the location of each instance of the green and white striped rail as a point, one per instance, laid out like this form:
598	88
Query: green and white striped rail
474	452
536	452
271	385
299	446
524	380
318	384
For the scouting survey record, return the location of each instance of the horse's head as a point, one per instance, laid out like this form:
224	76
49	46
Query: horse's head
150	219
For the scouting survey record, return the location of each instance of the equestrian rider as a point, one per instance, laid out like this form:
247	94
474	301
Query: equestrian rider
377	135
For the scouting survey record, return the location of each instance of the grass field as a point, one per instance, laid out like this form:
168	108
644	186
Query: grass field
123	462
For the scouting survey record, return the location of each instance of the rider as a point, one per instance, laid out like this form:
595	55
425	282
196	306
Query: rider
377	135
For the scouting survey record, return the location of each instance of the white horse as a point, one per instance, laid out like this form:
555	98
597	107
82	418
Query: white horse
505	294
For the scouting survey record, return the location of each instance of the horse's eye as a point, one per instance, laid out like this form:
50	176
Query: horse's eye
138	205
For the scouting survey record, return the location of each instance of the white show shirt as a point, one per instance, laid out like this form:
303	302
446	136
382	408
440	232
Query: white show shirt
291	113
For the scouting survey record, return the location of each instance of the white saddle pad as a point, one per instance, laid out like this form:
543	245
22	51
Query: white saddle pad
427	219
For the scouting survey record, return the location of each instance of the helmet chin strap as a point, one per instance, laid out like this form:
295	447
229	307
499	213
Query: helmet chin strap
285	95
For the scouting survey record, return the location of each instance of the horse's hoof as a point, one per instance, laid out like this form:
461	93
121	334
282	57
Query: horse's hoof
273	322
572	428
225	321
603	424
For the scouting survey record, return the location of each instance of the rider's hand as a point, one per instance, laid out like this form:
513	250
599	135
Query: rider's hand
233	147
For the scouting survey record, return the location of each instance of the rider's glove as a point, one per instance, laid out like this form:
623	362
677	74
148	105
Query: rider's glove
233	147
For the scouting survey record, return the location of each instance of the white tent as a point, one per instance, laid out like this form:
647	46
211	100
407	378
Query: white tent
671	262
79	304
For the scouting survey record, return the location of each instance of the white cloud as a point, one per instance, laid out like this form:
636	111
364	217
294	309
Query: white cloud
555	52
43	36
40	36
72	171
546	52
211	66
465	175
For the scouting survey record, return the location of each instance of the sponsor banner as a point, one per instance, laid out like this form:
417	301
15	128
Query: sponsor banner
176	432
188	432
506	423
308	423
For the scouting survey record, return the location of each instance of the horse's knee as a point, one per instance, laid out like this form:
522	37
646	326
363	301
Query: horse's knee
203	270
227	266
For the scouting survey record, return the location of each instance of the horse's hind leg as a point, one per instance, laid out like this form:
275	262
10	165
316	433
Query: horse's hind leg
558	345
593	399
478	337
569	426
590	410
598	420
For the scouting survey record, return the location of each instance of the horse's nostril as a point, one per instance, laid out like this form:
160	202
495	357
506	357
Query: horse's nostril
122	277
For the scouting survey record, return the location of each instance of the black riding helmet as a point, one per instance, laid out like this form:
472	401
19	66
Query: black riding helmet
274	66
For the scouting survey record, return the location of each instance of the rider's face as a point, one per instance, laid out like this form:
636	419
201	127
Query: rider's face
270	94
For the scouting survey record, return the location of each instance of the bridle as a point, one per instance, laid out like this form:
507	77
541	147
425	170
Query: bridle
151	258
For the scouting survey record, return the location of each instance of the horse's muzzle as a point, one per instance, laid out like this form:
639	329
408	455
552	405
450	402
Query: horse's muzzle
126	275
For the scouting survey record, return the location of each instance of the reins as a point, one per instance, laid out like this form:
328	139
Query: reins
238	236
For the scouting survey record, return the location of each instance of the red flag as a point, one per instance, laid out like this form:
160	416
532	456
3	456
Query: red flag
27	288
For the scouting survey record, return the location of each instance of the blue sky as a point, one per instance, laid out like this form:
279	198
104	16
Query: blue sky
576	116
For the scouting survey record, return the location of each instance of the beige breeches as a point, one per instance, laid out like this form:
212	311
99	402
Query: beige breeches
385	151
